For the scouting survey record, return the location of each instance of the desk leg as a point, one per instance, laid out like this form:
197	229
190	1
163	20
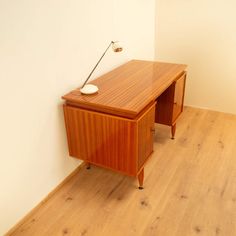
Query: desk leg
88	166
140	179
173	129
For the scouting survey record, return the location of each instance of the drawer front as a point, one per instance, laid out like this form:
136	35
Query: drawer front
178	97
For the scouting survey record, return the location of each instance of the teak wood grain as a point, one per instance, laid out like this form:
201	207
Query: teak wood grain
116	143
128	89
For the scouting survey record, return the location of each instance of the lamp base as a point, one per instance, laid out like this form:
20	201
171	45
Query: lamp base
89	89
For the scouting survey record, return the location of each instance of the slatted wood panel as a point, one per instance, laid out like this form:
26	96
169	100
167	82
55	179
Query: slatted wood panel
190	189
146	130
128	89
102	139
109	141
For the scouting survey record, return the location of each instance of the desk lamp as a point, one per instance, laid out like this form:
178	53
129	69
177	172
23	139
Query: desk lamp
90	88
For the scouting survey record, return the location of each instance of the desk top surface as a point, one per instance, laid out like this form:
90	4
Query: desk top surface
128	89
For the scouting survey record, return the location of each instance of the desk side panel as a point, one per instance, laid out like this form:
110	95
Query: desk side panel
164	109
146	130
102	139
179	97
170	102
128	89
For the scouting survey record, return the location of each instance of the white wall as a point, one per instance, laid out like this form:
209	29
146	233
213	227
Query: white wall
48	48
201	34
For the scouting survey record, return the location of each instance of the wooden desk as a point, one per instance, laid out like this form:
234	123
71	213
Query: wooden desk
114	128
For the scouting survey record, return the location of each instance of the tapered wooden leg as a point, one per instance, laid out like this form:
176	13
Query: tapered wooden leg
140	179
173	128
88	166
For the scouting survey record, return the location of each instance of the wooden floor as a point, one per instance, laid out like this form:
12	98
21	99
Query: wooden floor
190	188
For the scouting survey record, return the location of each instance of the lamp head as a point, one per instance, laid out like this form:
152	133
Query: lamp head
116	47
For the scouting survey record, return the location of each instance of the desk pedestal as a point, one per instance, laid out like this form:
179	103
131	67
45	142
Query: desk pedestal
117	143
170	104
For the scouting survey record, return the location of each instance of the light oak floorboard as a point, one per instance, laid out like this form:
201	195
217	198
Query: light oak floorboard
189	188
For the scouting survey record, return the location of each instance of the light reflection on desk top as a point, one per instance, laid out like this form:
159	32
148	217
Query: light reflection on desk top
128	89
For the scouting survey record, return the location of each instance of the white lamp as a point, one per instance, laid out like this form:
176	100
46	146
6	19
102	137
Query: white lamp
90	88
